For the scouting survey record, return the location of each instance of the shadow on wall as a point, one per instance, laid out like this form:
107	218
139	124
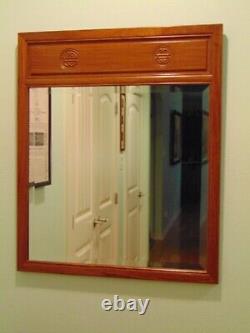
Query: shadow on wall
111	286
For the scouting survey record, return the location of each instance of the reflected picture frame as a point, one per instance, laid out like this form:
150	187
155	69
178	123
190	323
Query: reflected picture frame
175	137
122	122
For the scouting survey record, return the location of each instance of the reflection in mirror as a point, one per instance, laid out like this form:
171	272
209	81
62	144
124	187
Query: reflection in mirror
129	175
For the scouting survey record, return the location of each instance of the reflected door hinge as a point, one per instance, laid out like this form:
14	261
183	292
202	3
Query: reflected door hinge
116	198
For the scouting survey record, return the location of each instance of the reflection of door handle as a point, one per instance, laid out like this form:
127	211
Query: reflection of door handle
140	194
100	220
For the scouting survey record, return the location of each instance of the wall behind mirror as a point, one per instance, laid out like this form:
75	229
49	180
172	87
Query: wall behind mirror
128	171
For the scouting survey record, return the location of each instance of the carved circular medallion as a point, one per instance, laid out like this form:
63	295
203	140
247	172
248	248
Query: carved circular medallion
69	57
162	55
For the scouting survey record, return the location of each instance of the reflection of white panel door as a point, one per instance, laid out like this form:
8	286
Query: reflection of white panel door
91	154
134	196
105	160
137	171
79	174
133	179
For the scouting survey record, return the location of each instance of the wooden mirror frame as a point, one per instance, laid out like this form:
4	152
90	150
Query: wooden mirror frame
134	56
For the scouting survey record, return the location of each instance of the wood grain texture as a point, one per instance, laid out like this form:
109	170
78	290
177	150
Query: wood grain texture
94	57
184	55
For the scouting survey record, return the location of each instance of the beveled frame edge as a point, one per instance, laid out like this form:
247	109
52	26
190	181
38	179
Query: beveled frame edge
210	275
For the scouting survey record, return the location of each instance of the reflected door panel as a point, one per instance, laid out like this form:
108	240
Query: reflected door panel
133	111
137	175
105	166
79	174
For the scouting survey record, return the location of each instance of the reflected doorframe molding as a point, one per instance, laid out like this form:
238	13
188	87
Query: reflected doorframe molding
133	56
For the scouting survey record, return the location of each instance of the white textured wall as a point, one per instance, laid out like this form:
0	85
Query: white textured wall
39	303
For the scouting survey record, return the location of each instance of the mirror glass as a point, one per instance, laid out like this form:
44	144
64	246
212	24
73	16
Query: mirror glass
118	175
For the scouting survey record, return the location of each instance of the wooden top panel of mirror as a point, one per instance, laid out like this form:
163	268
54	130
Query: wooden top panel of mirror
162	52
89	57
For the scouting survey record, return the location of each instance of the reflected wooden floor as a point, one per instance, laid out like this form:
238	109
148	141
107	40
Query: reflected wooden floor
181	247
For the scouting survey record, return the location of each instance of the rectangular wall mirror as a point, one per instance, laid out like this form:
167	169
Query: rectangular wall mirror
119	135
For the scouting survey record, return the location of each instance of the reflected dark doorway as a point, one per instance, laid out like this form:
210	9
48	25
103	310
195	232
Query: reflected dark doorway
179	176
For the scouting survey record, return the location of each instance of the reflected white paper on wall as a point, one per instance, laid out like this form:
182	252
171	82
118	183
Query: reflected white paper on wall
39	125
